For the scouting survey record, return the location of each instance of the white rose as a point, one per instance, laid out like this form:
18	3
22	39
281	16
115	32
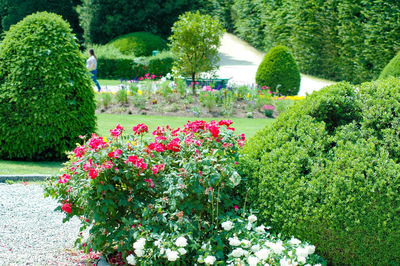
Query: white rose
181	242
182	251
139	244
276	247
234	241
157	243
294	241
139	252
255	248
252	218
228	225
252	261
301	252
262	254
172	255
209	260
310	249
260	229
301	260
285	262
246	243
131	259
237	252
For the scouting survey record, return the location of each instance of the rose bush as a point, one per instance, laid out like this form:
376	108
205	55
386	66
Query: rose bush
169	199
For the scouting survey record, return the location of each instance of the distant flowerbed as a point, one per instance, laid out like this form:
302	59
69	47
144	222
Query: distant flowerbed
174	198
152	95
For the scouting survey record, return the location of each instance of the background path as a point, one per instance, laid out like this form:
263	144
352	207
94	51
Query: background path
239	61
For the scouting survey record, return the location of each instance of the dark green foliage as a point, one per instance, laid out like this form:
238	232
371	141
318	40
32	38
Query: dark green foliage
279	71
139	43
340	40
327	171
114	68
12	11
392	68
46	95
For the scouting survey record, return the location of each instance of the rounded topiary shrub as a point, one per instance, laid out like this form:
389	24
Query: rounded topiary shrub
328	171
279	71
392	68
139	43
46	95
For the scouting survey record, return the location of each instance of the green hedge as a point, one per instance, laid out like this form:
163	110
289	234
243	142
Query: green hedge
339	40
392	68
279	71
46	95
112	64
327	171
139	43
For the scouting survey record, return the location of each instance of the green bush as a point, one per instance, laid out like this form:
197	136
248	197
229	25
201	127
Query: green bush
392	68
139	43
328	169
46	95
279	71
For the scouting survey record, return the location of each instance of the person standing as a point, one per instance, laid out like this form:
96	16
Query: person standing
91	65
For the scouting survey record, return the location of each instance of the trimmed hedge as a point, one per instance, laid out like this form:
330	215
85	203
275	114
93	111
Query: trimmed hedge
46	95
339	40
139	43
327	171
392	68
279	71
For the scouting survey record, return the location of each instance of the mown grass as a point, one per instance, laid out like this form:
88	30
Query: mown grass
105	122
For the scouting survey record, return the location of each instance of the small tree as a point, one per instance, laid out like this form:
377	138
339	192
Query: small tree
195	40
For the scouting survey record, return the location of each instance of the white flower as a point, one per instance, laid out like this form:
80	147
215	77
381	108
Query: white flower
301	260
209	260
238	252
157	243
285	262
301	252
228	225
182	251
234	241
131	259
294	241
252	261
262	254
181	242
162	251
255	248
276	247
260	229
310	249
172	255
252	218
246	243
139	252
139	244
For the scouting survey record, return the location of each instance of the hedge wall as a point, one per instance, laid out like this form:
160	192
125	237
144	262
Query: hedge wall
334	39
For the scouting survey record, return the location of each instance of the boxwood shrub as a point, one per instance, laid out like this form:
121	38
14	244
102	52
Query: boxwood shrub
279	71
46	95
328	170
392	68
139	43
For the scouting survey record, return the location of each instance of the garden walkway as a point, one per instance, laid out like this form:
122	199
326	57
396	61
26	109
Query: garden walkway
239	62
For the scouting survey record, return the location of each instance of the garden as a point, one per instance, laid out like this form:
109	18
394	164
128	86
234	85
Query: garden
173	167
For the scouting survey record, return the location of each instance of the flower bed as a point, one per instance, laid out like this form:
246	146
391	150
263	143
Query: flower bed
166	97
175	198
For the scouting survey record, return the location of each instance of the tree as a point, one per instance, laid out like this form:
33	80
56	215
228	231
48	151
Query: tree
195	40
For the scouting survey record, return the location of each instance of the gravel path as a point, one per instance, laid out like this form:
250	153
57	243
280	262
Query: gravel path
31	233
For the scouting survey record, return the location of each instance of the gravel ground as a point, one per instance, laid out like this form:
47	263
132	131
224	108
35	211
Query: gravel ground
31	233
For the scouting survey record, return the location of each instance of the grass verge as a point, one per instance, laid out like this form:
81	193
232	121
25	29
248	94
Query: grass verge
105	122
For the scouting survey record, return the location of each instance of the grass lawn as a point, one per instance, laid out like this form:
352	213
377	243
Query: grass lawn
106	122
109	82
